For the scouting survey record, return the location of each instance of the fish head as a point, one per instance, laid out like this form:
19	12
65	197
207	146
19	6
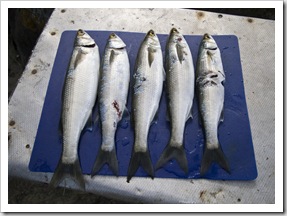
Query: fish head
115	41
176	37
84	39
208	42
152	38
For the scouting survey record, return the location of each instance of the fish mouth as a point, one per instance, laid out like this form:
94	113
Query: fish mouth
90	45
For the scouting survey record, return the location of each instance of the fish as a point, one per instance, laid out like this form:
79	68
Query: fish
113	92
148	78
210	79
180	90
79	96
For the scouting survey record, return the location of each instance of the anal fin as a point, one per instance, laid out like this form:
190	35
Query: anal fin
189	115
90	123
221	116
126	114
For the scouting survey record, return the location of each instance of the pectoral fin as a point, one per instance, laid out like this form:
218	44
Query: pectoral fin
112	56
180	53
79	58
150	56
210	55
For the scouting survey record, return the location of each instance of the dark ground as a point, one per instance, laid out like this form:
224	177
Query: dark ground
25	26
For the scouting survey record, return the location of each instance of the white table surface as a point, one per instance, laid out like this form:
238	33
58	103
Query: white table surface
256	42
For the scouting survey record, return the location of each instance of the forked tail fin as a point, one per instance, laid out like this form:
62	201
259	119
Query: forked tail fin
109	157
172	152
143	159
213	155
72	171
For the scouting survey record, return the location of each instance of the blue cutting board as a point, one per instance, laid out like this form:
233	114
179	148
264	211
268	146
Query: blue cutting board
234	133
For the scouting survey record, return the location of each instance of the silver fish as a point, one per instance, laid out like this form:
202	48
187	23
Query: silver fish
113	91
180	90
79	95
147	90
210	80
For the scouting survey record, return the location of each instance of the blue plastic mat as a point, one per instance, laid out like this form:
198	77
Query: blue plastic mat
234	133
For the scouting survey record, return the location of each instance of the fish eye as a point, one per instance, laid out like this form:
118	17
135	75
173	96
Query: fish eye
151	33
113	35
81	32
174	30
206	36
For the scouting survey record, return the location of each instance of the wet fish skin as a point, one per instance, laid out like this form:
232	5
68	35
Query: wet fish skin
180	90
79	95
147	90
113	92
210	80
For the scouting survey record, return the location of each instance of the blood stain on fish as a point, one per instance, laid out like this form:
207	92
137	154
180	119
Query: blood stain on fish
116	106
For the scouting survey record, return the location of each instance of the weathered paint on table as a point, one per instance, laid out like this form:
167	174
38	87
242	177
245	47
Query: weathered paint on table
256	41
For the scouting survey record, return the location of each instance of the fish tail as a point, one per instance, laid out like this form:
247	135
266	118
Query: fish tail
176	152
109	157
213	155
143	159
72	170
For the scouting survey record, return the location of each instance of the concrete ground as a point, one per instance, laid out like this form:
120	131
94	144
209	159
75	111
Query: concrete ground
26	192
32	21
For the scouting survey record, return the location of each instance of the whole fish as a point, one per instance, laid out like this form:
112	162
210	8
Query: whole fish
147	90
210	80
113	91
180	90
79	95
